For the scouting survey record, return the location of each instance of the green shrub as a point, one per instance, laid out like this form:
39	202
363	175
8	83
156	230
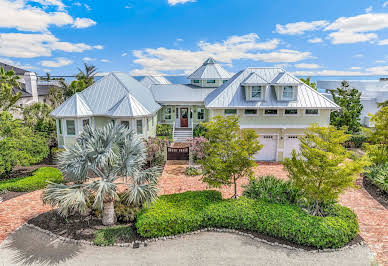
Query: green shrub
109	236
356	141
199	131
378	174
189	211
35	182
271	189
193	171
164	130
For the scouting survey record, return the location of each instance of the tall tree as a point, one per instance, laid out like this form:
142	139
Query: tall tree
308	82
349	115
94	164
323	168
87	75
56	96
228	154
8	81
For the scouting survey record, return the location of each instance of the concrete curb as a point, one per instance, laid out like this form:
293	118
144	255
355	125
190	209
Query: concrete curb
219	230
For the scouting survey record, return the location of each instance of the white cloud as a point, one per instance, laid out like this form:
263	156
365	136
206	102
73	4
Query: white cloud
358	55
355	68
301	27
124	54
369	9
105	61
358	28
308	66
233	48
383	42
81	23
385	4
87	59
46	70
98	47
60	62
175	2
17	64
88	8
46	3
315	40
29	45
378	70
381	61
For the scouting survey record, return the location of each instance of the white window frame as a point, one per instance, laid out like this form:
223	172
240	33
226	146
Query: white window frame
230	114
257	112
203	113
297	112
84	119
75	127
292	93
304	113
142	127
59	127
207	81
261	92
277	112
165	113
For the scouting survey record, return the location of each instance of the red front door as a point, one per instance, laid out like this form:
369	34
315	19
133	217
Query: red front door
184	117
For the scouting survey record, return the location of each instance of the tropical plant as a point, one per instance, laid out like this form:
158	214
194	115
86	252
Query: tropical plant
228	154
56	95
308	82
378	174
322	169
8	81
19	144
199	131
93	166
349	99
87	75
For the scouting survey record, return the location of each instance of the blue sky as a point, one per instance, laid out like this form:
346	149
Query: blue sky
175	36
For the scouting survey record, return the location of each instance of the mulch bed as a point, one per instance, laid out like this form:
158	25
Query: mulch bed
84	228
75	226
10	195
379	195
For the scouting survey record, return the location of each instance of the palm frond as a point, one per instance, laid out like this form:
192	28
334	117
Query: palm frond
105	190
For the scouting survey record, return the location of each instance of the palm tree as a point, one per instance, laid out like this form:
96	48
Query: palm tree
88	74
93	166
308	82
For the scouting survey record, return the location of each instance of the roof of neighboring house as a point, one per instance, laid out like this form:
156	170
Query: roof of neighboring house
210	69
148	81
179	93
17	70
117	94
232	95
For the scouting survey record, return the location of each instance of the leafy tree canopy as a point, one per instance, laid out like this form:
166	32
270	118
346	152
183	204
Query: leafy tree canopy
8	81
349	115
308	82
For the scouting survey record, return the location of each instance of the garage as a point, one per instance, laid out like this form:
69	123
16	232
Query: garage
269	150
291	142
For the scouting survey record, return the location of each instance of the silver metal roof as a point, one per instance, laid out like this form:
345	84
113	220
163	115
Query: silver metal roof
232	95
286	78
254	79
210	69
148	81
175	93
75	106
110	91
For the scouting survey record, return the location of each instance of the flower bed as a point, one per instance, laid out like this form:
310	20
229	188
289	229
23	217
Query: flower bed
180	213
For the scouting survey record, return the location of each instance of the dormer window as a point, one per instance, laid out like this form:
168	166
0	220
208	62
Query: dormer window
256	93
196	81
211	81
288	92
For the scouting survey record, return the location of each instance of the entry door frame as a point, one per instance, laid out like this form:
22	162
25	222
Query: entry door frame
182	119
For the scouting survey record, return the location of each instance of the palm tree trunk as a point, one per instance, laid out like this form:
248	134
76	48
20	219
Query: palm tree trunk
109	215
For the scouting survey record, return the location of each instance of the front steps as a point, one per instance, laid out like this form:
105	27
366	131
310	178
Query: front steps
182	134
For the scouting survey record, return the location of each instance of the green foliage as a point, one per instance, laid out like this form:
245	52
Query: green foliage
164	130
323	169
109	236
308	82
156	148
56	96
189	211
8	81
37	181
378	174
271	189
378	149
349	101
199	131
19	145
356	141
228	153
193	171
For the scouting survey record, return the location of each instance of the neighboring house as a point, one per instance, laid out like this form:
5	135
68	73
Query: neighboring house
274	103
373	92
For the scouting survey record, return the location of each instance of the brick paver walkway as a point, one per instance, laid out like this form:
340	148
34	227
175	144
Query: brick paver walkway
373	217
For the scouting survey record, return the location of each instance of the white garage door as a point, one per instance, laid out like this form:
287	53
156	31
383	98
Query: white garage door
268	152
291	143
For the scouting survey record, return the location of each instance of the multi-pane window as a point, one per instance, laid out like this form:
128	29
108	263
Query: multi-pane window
139	126
125	123
85	122
70	127
225	80
250	111
256	92
311	112
291	111
196	81
288	92
200	113
230	111
270	112
211	81
60	126
167	113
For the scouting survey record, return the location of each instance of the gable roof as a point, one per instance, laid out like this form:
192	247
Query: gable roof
148	81
111	91
210	69
232	95
75	106
17	70
284	78
179	93
254	79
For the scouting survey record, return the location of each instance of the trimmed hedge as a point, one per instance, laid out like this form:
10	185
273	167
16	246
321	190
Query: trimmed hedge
31	183
108	236
190	211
